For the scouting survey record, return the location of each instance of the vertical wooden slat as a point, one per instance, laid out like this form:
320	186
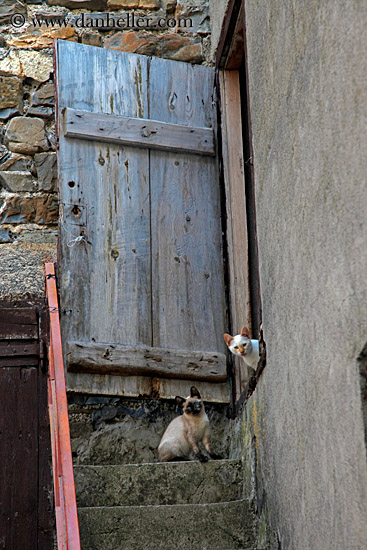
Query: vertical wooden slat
187	266
18	457
237	241
45	506
108	277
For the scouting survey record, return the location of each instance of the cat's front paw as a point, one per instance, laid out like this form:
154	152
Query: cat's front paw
214	456
202	457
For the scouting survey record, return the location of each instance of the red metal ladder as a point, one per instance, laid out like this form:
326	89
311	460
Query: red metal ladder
67	525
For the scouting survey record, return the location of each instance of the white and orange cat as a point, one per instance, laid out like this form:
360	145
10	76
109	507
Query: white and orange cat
242	345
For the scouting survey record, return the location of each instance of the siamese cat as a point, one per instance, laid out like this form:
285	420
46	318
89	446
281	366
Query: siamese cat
242	345
185	432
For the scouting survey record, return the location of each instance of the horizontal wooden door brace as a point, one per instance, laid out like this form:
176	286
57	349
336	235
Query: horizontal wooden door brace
139	132
13	349
103	358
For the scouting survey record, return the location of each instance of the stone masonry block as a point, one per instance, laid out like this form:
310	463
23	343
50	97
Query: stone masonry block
5	236
41	209
45	164
169	5
169	46
5	114
43	112
24	63
26	135
16	181
44	96
43	38
92	39
80	4
8	8
15	162
32	233
123	4
10	92
149	4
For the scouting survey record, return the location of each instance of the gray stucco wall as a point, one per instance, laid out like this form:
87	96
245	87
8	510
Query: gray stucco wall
217	12
308	94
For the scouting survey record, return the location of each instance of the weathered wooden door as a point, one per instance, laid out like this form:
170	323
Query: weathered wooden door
26	509
140	238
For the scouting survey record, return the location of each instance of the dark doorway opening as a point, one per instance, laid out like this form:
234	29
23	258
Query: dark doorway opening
253	254
244	294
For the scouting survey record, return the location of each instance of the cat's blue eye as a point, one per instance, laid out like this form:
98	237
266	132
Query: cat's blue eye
236	347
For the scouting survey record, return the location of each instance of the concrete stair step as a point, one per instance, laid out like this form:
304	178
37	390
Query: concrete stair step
161	483
216	526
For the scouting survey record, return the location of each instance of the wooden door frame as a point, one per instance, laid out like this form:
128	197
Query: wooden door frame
237	174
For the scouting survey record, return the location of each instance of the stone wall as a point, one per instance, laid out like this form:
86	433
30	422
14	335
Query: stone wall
28	181
301	433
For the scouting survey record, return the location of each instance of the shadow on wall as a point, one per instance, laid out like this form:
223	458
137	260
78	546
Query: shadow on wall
362	364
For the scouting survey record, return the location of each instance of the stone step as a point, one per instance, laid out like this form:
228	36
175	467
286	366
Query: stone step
161	483
217	526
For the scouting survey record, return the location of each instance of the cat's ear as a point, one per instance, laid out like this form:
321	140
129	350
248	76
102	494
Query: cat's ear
180	400
245	332
228	338
194	392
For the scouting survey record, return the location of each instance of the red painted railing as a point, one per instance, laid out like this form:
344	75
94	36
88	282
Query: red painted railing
67	525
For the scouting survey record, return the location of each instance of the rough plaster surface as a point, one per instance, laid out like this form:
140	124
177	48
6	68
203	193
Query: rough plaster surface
22	269
308	96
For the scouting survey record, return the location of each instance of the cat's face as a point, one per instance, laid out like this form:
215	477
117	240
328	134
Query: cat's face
239	344
193	404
